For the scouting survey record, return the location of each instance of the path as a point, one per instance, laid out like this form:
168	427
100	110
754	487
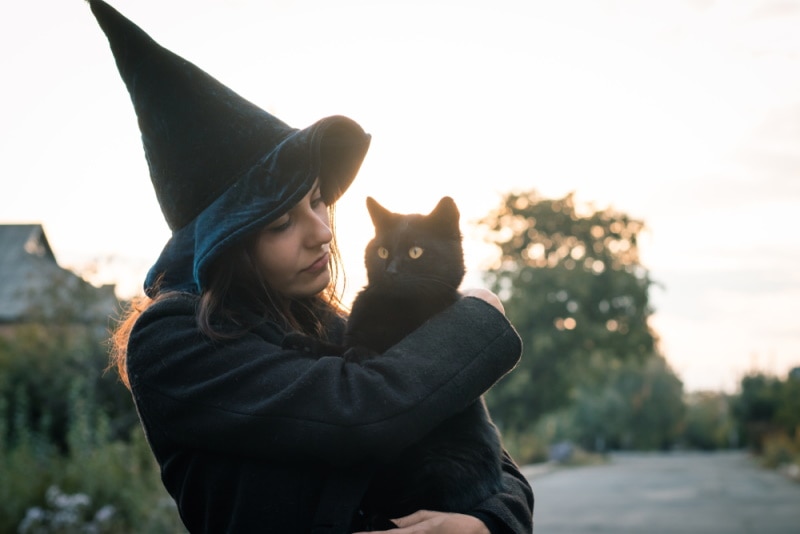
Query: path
676	493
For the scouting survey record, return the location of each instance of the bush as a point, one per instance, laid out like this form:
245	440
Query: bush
525	448
72	456
709	424
97	485
781	450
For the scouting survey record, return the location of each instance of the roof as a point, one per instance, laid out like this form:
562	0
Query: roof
31	281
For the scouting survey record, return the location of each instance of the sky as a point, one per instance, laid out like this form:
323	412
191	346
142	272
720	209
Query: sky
683	114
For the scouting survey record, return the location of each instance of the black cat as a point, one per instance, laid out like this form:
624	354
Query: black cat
415	264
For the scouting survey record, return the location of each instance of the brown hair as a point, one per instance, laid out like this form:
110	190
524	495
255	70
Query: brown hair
234	276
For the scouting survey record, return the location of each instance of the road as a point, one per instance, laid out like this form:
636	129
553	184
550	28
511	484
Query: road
675	493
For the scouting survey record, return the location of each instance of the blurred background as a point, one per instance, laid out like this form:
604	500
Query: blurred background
627	174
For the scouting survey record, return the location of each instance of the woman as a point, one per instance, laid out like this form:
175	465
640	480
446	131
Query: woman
251	436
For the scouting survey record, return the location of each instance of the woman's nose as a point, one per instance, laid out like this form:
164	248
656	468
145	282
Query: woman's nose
319	231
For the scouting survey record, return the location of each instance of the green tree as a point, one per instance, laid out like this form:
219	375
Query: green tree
646	410
709	423
788	413
573	285
755	408
767	405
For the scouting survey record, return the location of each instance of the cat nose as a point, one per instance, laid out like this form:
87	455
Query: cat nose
392	268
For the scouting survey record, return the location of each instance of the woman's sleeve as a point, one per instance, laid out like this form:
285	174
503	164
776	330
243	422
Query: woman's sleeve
248	396
511	510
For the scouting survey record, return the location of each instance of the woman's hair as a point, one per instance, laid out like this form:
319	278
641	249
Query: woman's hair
235	285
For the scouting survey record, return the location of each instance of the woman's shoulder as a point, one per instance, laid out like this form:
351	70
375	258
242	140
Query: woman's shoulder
168	313
173	317
174	303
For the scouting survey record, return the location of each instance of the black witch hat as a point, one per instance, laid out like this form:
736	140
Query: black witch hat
221	166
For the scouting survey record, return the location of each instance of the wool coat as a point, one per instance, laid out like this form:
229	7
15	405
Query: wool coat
252	437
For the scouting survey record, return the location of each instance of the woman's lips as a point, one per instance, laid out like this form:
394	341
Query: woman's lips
319	265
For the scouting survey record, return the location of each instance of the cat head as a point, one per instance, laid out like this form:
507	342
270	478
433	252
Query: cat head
414	252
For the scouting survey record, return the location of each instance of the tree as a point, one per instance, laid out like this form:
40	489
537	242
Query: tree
767	405
640	406
709	423
649	412
573	286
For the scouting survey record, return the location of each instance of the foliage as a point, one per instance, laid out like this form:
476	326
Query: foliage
780	449
574	288
640	406
787	415
527	447
767	406
60	344
72	455
96	479
39	367
709	423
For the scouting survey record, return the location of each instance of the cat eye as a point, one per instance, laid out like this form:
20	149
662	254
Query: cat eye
415	252
383	253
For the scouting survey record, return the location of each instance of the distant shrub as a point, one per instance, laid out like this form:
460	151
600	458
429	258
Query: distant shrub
98	485
66	466
780	450
709	424
525	448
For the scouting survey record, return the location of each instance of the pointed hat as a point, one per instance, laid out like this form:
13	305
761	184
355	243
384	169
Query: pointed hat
221	166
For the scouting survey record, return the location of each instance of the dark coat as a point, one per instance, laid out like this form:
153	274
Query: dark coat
247	434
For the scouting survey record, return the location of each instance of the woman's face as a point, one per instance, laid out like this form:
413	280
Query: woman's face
293	251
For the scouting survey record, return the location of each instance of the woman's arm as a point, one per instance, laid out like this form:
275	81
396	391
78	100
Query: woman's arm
249	396
432	522
511	510
508	512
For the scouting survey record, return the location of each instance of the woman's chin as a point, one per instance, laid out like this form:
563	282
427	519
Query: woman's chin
312	285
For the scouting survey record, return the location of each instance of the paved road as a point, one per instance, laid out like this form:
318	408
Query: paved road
677	493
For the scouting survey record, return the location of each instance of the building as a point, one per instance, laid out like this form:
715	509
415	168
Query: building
35	289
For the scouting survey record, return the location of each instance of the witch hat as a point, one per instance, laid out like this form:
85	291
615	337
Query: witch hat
220	165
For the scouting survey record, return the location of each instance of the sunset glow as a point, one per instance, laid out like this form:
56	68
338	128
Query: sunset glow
683	114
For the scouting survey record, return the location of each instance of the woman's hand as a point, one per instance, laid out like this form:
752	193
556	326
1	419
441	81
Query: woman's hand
428	522
485	295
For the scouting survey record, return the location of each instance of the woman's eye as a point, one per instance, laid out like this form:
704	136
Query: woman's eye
280	226
317	201
383	253
415	252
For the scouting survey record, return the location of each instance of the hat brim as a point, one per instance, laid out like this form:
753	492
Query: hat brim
331	149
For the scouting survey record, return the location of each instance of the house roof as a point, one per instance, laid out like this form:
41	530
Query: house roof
29	273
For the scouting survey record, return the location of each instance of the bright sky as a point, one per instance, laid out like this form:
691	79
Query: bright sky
685	114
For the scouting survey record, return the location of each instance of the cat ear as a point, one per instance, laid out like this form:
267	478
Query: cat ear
445	214
380	215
